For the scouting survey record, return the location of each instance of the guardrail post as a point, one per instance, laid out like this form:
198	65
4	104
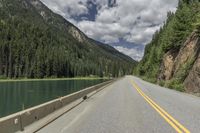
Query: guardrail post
20	122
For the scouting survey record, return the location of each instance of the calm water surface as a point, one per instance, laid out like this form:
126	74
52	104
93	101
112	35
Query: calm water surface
16	96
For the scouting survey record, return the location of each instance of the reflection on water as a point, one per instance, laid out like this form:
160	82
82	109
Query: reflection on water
16	96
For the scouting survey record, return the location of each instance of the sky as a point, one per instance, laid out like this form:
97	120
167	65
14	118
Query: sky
127	25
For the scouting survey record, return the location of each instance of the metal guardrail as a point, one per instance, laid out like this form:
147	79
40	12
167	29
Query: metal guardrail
18	121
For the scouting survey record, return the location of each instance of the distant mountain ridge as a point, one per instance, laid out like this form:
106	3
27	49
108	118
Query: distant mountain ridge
37	43
110	49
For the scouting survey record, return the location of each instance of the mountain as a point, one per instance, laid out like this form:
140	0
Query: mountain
172	58
116	53
37	43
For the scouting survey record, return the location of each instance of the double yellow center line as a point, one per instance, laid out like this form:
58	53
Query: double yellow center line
174	123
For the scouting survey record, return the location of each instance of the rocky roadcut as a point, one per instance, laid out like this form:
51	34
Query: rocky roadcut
172	58
189	54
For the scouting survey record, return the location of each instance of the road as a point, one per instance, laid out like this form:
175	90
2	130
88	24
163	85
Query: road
132	105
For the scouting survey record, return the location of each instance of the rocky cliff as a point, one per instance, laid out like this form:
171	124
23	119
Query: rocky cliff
184	64
172	58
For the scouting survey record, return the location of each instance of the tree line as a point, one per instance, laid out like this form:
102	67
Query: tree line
28	50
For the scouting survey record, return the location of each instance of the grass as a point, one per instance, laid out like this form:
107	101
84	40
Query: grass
53	79
151	80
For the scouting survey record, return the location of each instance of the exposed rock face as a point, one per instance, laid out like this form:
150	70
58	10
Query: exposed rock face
168	65
47	16
192	82
77	34
188	57
188	51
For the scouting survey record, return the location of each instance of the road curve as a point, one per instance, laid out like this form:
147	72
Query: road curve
132	105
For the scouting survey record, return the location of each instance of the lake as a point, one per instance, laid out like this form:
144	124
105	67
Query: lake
20	95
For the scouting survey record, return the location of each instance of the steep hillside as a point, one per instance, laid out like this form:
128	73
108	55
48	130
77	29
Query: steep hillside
172	57
37	43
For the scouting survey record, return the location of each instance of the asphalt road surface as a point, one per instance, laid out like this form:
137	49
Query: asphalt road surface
132	105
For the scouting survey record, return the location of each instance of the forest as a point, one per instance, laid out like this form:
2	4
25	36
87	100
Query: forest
34	46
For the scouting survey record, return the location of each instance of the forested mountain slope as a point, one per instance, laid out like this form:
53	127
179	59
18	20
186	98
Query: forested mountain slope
172	58
37	43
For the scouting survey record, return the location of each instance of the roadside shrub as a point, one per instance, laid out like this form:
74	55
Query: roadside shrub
162	83
175	84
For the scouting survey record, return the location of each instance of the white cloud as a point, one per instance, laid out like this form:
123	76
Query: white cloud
129	19
103	32
132	52
141	34
68	8
134	21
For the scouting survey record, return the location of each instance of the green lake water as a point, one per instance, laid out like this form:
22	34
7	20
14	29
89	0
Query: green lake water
16	96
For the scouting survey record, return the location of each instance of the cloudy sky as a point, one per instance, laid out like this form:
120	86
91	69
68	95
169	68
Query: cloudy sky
128	25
